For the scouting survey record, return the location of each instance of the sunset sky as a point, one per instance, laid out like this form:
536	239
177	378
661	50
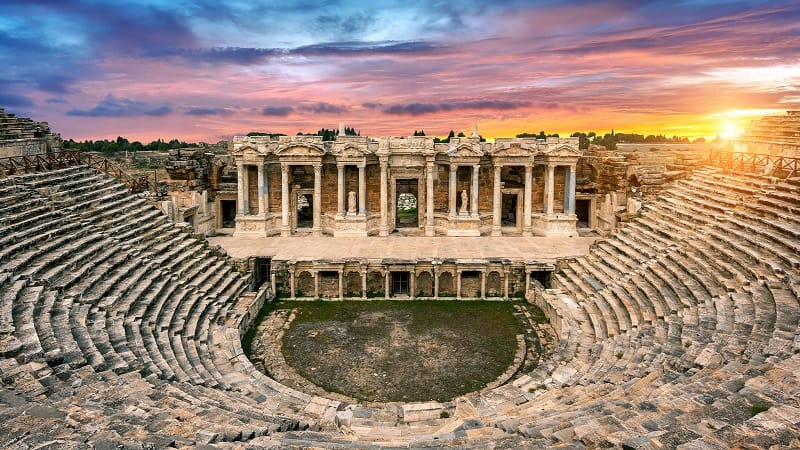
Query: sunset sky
207	70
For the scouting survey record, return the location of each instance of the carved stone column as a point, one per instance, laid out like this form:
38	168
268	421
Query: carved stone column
497	203
266	189
458	284
549	185
291	283
384	227
412	283
429	168
315	228
526	213
476	169
261	190
451	186
570	194
362	189
240	189
387	289
341	288
364	284
435	282
483	285
505	282
316	283
285	230
340	209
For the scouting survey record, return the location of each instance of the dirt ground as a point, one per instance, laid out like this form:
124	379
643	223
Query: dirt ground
382	351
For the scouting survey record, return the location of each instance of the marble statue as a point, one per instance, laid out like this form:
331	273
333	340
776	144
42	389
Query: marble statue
464	203
351	202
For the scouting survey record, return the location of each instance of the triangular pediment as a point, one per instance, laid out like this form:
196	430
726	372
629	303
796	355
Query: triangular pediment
565	151
352	151
300	149
465	150
514	149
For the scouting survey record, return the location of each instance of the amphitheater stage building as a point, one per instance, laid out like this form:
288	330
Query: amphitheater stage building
360	186
406	266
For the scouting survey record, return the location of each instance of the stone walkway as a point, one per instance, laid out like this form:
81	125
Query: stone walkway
405	247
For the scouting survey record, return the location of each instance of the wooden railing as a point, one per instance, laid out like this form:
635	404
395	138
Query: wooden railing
757	163
41	162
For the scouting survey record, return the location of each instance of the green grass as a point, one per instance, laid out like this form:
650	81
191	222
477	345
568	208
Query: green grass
758	408
400	350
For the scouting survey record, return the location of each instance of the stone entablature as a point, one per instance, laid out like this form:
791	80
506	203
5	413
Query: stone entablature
351	186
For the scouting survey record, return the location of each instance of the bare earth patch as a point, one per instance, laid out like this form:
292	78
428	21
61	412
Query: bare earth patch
384	351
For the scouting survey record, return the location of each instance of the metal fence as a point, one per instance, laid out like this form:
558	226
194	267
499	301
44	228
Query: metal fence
67	158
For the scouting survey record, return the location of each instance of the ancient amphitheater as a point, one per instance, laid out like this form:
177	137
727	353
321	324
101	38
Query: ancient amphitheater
119	329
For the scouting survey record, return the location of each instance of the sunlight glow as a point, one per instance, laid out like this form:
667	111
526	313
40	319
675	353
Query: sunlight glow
730	130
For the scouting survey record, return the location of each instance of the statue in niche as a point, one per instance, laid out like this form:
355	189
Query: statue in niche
464	202
351	202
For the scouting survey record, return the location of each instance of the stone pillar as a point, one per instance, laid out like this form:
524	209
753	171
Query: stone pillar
241	190
316	283
429	230
364	284
272	283
451	186
291	283
246	189
412	283
387	292
458	284
315	229
483	285
362	189
285	230
341	288
527	210
565	193
497	203
570	194
384	226
549	183
527	280
262	190
340	209
505	282
476	169
435	283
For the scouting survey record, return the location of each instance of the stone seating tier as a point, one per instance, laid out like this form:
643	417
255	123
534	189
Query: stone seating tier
669	331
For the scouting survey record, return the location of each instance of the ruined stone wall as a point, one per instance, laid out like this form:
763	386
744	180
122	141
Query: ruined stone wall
486	189
441	199
330	191
373	188
274	188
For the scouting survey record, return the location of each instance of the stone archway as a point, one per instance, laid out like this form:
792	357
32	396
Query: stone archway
375	284
494	284
424	285
352	284
447	286
305	285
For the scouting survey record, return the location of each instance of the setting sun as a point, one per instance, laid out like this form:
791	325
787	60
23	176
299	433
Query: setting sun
730	130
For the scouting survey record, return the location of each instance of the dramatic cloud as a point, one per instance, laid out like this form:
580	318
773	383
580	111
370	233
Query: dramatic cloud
14	100
390	67
278	111
251	55
416	109
208	112
323	108
121	107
